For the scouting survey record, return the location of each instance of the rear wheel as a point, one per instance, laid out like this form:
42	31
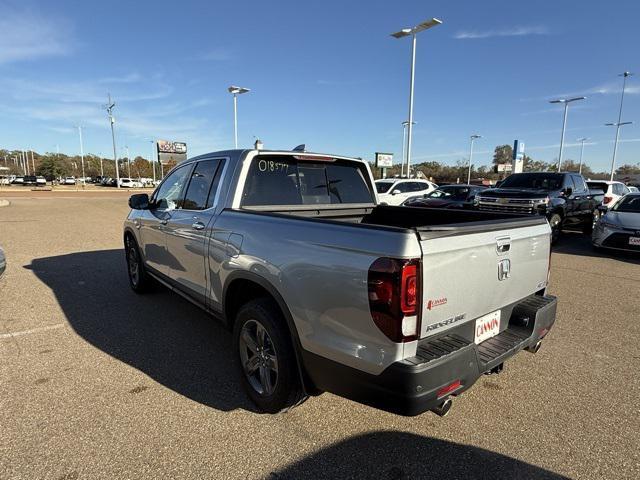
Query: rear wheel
555	222
267	361
139	280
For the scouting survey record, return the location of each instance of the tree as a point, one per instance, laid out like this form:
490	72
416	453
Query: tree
502	154
50	168
628	169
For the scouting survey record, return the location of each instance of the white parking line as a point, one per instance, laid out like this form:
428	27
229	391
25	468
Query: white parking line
33	330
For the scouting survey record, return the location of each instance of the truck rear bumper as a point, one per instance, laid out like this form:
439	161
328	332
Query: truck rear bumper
417	384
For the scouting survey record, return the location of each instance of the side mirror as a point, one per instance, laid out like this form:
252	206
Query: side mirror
567	191
139	201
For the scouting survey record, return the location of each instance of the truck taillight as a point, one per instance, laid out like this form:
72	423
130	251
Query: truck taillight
395	296
607	200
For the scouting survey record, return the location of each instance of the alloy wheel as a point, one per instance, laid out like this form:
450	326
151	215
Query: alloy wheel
258	357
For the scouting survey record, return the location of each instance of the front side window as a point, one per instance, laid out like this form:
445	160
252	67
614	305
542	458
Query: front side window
168	195
202	187
276	180
630	203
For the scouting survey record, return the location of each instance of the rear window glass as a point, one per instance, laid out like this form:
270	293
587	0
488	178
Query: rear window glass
598	186
286	181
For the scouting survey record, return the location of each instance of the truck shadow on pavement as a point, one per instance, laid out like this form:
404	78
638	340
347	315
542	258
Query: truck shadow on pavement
161	334
389	455
574	243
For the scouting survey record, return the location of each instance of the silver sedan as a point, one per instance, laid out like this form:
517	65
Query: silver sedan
619	227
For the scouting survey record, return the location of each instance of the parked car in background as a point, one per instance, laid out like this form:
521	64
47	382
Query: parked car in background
619	227
563	198
69	181
447	196
394	191
3	262
30	180
633	189
613	190
126	182
19	180
41	181
398	308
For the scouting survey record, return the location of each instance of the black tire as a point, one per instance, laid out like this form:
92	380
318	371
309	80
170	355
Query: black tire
139	280
555	222
284	390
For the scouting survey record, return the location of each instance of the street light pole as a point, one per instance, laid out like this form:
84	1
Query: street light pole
619	123
84	179
581	140
109	108
235	91
615	145
413	33
404	145
473	139
566	102
128	162
153	164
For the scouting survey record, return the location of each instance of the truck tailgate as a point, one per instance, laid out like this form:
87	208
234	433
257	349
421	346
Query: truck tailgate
468	275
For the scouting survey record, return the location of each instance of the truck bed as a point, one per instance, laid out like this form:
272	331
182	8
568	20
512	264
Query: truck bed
427	222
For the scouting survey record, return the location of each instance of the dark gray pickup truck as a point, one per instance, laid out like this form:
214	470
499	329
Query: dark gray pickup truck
564	198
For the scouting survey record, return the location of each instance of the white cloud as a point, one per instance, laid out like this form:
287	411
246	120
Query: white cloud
509	32
27	35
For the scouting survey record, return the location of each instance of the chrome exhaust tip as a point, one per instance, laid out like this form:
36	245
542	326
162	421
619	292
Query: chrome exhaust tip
442	409
535	348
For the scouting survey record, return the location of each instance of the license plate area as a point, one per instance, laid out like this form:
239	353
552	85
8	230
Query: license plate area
634	241
487	326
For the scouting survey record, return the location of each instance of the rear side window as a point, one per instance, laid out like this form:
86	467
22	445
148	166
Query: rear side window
579	183
202	187
287	181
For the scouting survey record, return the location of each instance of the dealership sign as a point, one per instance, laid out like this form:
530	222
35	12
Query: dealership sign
171	151
384	160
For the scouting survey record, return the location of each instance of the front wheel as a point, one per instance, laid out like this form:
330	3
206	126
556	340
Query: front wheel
267	361
139	280
555	222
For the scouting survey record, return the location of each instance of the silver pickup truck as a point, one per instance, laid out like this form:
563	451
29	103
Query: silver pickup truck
399	308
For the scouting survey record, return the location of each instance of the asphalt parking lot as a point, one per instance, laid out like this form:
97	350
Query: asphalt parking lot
97	382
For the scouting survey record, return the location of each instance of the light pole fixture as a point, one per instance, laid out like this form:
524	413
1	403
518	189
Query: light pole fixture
615	145
566	102
405	32
581	140
473	138
109	107
619	123
235	91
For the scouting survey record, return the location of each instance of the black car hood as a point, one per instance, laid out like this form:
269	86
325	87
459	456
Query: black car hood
515	193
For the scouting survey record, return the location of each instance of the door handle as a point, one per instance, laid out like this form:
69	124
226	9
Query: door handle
198	226
163	222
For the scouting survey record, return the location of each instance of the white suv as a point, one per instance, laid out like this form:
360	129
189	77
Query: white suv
394	191
613	191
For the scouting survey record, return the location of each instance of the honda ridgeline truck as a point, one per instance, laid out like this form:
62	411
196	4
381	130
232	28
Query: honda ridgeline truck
563	198
399	308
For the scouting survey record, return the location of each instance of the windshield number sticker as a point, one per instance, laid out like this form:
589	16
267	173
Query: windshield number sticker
271	166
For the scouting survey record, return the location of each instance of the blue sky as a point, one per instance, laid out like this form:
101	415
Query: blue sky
327	74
